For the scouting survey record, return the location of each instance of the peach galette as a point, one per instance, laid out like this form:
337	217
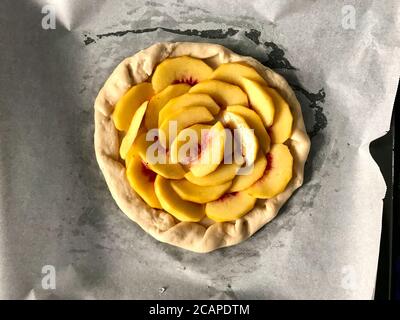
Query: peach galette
198	145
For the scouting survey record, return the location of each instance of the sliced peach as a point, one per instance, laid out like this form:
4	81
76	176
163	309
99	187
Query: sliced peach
126	107
230	206
212	151
242	132
249	175
254	122
141	179
182	119
129	156
141	145
133	151
186	141
224	173
260	101
133	130
158	101
277	174
198	194
173	203
234	72
282	127
180	70
161	165
168	170
185	101
223	93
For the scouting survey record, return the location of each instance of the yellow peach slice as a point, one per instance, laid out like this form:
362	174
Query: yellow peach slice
277	174
126	107
141	145
142	180
133	151
180	70
198	194
224	173
158	101
234	72
160	165
245	135
212	151
282	127
254	122
168	170
230	206
185	101
260	101
249	175
133	130
173	203
182	119
188	140
223	93
129	156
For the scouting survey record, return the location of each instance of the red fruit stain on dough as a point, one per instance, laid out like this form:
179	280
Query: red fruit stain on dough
150	174
190	81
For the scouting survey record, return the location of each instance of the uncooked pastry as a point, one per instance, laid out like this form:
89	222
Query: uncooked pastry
198	237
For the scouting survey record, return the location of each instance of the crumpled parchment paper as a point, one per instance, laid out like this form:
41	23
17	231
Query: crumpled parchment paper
61	234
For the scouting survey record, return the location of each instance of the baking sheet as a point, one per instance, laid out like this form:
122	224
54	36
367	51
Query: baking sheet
55	208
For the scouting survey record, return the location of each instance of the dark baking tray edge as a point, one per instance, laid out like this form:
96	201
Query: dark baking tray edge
385	151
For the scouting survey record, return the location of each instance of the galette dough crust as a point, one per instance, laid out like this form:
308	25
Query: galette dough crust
160	224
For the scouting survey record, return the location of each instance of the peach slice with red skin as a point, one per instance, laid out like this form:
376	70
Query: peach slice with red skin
281	129
234	72
223	93
212	151
199	194
230	206
158	101
277	175
180	70
172	203
133	130
250	174
186	146
260	101
127	105
187	100
141	179
161	165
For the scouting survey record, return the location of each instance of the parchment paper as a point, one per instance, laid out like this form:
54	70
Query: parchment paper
55	208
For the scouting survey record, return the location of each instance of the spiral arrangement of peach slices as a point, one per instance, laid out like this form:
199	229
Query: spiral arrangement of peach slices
201	142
